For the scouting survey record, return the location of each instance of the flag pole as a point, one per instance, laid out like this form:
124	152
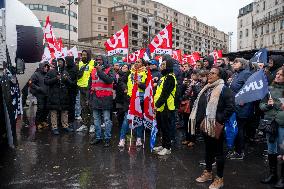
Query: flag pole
144	138
131	135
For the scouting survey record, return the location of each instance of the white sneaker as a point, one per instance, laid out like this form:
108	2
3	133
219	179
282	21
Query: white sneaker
103	125
78	118
92	129
121	143
138	142
158	149
164	152
82	128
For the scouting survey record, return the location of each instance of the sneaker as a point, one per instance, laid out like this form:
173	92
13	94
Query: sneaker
44	124
55	131
138	142
68	129
78	118
205	176
204	164
217	184
107	143
185	142
121	143
230	154
191	144
237	156
158	149
103	125
39	126
92	129
95	141
164	152
82	128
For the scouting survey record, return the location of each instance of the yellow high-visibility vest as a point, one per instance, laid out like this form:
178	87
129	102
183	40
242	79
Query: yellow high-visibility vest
142	76
84	80
171	99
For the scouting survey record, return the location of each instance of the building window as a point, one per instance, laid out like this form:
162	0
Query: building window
135	1
241	34
276	2
99	18
99	2
273	39
155	5
99	27
134	17
112	19
99	10
281	37
112	27
263	5
273	27
282	24
105	27
105	19
241	23
261	30
247	32
143	3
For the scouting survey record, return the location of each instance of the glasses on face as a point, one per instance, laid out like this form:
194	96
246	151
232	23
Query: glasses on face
213	73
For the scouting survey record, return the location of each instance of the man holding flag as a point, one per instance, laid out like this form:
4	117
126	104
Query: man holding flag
165	105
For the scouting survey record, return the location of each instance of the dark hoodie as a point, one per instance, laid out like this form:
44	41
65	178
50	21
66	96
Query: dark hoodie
104	103
58	98
278	61
38	87
72	71
169	84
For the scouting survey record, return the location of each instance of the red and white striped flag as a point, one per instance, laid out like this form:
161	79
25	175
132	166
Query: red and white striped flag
135	115
149	102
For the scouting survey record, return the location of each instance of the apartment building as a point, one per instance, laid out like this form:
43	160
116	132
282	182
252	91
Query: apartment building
261	24
99	19
57	10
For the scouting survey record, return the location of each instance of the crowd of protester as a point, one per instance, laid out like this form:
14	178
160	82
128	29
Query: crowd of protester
197	98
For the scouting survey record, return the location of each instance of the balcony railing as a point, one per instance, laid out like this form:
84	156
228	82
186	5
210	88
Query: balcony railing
268	19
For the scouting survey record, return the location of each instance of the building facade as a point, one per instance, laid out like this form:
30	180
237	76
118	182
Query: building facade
261	24
57	10
99	19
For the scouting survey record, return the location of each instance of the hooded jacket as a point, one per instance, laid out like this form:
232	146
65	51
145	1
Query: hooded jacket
38	87
278	61
210	60
103	103
58	94
73	72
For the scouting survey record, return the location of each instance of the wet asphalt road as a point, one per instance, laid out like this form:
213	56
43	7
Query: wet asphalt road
42	160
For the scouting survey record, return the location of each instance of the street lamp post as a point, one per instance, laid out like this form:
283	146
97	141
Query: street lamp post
75	2
230	40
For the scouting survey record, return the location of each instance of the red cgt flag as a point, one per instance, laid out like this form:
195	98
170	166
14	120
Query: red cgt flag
177	55
191	59
217	54
136	55
163	42
118	43
149	102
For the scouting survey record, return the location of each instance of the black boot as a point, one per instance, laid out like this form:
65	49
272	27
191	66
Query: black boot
272	177
280	183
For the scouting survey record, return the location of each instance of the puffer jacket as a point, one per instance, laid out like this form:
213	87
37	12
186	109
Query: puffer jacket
58	97
103	103
38	88
275	111
238	81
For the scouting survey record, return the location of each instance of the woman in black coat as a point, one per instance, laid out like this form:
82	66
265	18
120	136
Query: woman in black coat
58	81
214	93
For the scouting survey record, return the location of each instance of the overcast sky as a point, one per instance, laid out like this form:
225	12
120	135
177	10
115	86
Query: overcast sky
219	13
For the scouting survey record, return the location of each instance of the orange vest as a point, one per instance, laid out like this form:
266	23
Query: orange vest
99	87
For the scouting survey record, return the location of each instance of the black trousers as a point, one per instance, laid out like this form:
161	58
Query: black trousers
71	109
214	151
240	139
42	112
164	121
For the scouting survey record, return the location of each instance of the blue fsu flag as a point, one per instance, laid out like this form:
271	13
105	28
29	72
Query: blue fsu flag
2	4
260	57
154	132
255	88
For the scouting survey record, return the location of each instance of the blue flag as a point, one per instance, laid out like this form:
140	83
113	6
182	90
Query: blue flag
260	57
231	130
154	132
2	4
255	88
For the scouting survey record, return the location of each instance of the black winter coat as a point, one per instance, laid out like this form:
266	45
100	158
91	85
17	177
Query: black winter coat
121	96
58	97
72	70
38	88
225	107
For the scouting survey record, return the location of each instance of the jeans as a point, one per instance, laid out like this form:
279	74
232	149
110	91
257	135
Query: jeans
278	145
125	128
78	105
98	114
